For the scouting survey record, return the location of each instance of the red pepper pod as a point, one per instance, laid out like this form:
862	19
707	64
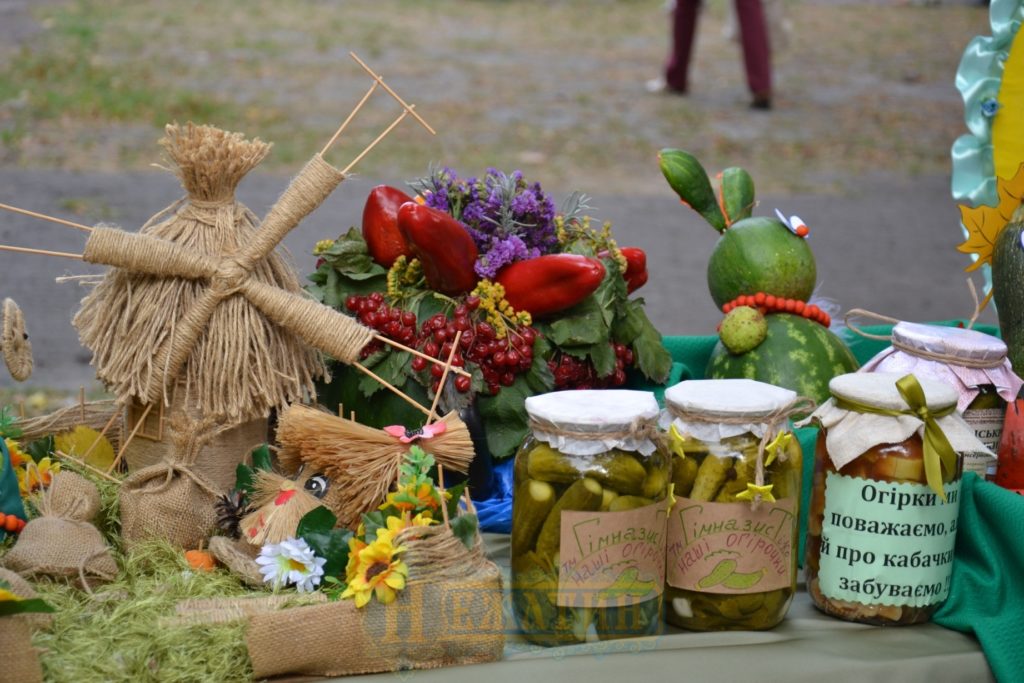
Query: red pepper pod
636	268
384	240
551	283
1010	470
444	247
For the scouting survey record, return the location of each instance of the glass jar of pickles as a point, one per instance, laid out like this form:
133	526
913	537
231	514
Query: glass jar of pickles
972	362
588	517
732	532
885	497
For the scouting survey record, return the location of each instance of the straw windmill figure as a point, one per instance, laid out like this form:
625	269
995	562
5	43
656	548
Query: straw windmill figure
199	328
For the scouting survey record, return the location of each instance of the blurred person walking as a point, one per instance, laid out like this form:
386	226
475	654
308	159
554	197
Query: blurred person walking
757	60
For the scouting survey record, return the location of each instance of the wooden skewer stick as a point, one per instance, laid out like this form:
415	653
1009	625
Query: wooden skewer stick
407	107
401	394
103	433
352	115
41	252
444	376
409	349
124	446
440	488
83	464
373	144
52	219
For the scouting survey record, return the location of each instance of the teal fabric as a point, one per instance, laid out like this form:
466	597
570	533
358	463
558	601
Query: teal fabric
986	596
10	498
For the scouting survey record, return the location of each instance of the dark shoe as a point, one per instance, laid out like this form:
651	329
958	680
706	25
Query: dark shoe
761	102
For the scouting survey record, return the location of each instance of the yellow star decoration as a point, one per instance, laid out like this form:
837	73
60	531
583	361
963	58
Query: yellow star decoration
671	498
779	443
753	490
675	442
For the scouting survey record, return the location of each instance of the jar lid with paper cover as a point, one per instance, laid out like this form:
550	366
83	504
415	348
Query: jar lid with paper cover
588	517
972	362
885	497
732	532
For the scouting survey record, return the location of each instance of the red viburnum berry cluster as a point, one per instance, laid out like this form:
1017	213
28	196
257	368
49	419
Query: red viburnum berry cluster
768	303
575	373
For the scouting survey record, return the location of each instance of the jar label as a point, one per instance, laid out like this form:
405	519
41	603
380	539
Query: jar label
611	559
729	547
885	543
987	424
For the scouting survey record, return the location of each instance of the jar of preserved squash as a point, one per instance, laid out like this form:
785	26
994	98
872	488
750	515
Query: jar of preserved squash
885	498
732	532
588	517
972	362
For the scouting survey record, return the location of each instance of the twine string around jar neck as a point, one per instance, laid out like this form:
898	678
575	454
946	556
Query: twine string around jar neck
640	429
771	423
939	454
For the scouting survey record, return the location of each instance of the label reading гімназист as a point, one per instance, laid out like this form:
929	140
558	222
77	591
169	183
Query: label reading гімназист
987	424
884	543
612	559
730	547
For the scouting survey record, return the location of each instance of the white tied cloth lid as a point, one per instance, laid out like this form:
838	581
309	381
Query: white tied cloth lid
965	359
851	433
590	422
694	404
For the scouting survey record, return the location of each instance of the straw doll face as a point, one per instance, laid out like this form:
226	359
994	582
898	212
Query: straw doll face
280	502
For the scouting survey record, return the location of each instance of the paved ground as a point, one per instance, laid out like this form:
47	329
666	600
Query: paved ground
875	249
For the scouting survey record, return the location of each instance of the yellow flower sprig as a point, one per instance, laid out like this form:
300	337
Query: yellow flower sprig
404	273
579	229
322	246
497	310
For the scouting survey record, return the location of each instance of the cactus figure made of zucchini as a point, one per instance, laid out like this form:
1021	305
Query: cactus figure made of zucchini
761	274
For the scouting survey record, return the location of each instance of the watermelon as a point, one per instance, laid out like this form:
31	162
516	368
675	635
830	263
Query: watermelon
1007	276
761	255
797	354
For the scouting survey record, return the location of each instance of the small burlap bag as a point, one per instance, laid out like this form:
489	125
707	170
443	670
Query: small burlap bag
170	500
62	542
19	661
449	613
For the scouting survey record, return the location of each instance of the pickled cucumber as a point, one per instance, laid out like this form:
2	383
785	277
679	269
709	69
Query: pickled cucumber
684	472
628	503
615	469
737	477
607	496
710	476
584	494
655	483
534	500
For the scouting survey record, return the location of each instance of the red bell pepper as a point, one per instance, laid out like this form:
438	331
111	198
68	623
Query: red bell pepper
384	240
444	247
1010	470
551	283
636	268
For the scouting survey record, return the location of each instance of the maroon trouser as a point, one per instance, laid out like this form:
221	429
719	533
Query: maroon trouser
757	58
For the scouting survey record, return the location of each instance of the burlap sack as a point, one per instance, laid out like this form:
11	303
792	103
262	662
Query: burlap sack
240	558
449	613
19	661
61	542
167	501
74	497
24	589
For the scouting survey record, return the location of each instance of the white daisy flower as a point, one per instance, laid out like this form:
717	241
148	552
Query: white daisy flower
291	561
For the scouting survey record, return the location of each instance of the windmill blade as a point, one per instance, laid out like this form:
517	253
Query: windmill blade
146	254
175	350
322	327
308	190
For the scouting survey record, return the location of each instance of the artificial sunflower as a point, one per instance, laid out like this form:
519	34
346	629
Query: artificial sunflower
396	524
32	478
377	571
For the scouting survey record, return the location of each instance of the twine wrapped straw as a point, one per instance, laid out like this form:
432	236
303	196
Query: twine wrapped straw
362	461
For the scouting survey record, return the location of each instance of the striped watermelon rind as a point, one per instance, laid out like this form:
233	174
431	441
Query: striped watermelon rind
797	354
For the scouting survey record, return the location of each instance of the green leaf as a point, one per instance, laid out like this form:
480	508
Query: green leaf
244	480
40	448
611	291
652	357
9	607
505	418
603	358
630	322
372	521
391	366
326	541
8	426
350	256
261	458
464	528
456	494
582	324
540	379
318	520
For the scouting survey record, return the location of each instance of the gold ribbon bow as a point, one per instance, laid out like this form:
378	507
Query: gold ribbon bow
939	455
